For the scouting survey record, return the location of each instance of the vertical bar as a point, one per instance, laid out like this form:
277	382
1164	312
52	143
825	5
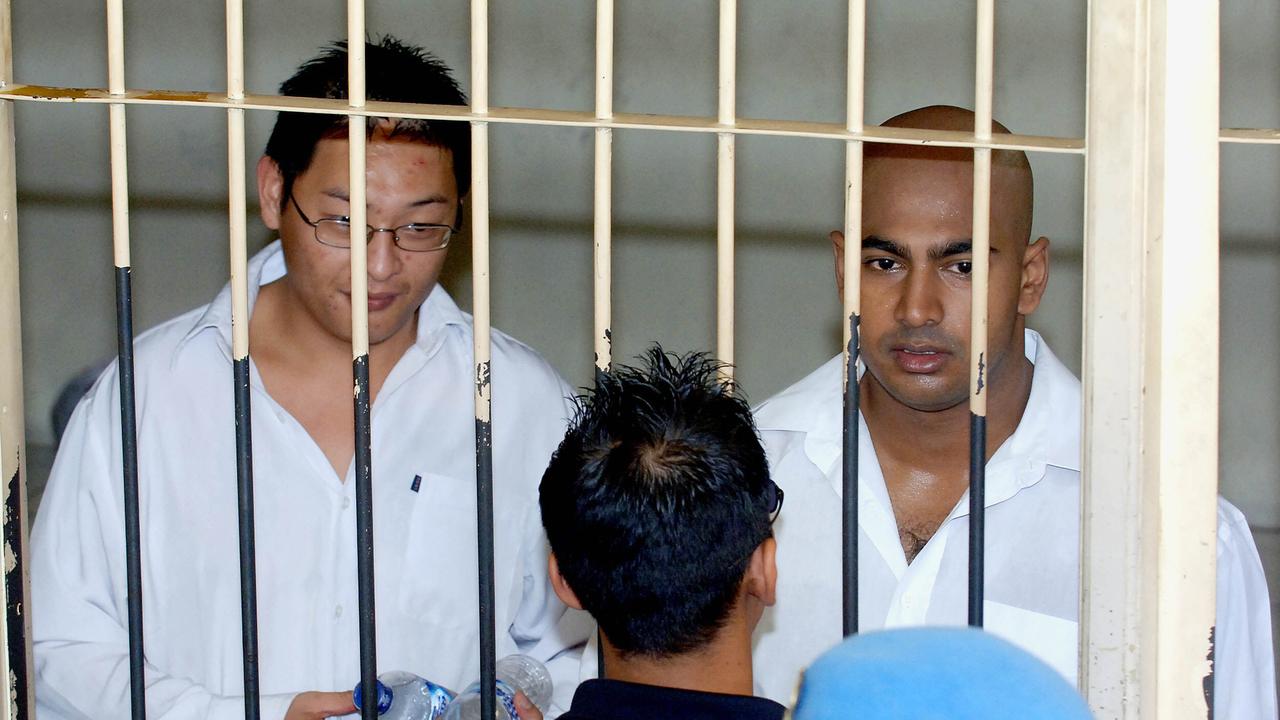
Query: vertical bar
124	341
360	357
603	214
978	313
480	310
725	184
1181	418
16	662
239	259
604	187
851	295
1117	233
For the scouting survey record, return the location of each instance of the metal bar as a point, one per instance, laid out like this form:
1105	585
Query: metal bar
1253	136
481	327
357	142
239	258
725	185
16	662
851	297
124	340
549	117
983	88
603	215
603	212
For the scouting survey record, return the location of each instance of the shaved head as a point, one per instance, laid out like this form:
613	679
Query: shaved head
1012	186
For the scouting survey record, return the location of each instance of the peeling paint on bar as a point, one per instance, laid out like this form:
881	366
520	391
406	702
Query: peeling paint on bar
1208	678
982	372
15	618
849	477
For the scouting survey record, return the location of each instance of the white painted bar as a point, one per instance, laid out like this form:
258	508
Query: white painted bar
725	185
237	214
20	696
119	146
480	281
603	210
983	89
1181	415
855	80
358	206
1151	307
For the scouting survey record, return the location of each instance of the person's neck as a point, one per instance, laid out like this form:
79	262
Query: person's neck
940	436
721	666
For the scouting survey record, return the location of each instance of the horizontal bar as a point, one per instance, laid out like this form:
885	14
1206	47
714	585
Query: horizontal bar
1259	136
567	118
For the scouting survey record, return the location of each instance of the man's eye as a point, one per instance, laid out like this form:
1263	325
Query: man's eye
964	267
882	264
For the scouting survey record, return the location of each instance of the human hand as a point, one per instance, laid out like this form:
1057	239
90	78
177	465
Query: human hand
525	709
320	705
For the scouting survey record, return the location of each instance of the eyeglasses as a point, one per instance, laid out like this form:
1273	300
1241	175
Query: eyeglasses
414	237
774	498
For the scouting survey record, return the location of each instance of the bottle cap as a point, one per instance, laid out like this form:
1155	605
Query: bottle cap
385	696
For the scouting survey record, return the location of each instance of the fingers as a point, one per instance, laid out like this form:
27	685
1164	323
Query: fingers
525	709
320	705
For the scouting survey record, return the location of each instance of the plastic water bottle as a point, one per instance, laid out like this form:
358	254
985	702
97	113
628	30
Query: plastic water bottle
405	696
515	672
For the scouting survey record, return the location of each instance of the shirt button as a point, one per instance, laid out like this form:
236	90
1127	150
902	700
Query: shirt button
337	611
346	503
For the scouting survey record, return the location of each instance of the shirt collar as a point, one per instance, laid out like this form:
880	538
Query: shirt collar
618	700
1047	434
268	265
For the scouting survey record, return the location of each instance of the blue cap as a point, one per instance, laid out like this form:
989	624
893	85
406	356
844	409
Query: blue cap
934	673
384	697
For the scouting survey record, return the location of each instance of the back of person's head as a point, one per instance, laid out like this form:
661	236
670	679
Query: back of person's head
934	673
394	72
656	501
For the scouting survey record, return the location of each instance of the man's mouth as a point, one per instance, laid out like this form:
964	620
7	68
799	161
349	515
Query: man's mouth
919	360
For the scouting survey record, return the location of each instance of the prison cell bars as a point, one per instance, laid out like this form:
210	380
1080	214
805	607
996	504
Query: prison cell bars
851	299
239	260
1113	163
124	341
480	310
15	662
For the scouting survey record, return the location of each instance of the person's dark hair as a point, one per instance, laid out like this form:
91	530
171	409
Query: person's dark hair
394	72
655	501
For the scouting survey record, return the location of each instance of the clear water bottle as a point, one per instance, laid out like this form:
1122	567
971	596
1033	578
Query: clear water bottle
405	696
515	672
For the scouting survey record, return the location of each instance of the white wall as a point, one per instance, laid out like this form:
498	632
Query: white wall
791	66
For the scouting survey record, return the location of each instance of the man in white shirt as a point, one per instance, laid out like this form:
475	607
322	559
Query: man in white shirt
422	442
914	435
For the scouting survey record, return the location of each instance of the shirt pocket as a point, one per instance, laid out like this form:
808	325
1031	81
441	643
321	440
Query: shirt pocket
438	578
1050	638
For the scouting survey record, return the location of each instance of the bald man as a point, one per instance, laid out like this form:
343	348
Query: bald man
914	443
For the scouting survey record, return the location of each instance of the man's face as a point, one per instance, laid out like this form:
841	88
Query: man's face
406	182
917	226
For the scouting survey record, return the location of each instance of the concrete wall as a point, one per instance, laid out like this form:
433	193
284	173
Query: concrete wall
791	65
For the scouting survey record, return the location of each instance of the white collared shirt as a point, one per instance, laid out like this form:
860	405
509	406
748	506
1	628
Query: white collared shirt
424	503
1032	545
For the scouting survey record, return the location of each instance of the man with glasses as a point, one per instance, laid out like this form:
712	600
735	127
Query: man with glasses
659	510
423	434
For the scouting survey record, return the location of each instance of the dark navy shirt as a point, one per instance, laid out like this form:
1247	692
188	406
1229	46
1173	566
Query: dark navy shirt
617	700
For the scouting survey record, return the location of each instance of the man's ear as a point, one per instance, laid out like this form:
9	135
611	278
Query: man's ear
1035	276
270	192
762	572
837	246
558	583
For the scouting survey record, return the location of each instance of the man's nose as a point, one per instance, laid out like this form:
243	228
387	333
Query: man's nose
384	256
920	303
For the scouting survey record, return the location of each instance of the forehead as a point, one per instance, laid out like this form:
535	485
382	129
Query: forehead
920	194
391	160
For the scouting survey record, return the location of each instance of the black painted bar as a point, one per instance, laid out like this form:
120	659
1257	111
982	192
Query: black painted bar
248	552
132	524
849	527
977	514
484	541
364	541
16	595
